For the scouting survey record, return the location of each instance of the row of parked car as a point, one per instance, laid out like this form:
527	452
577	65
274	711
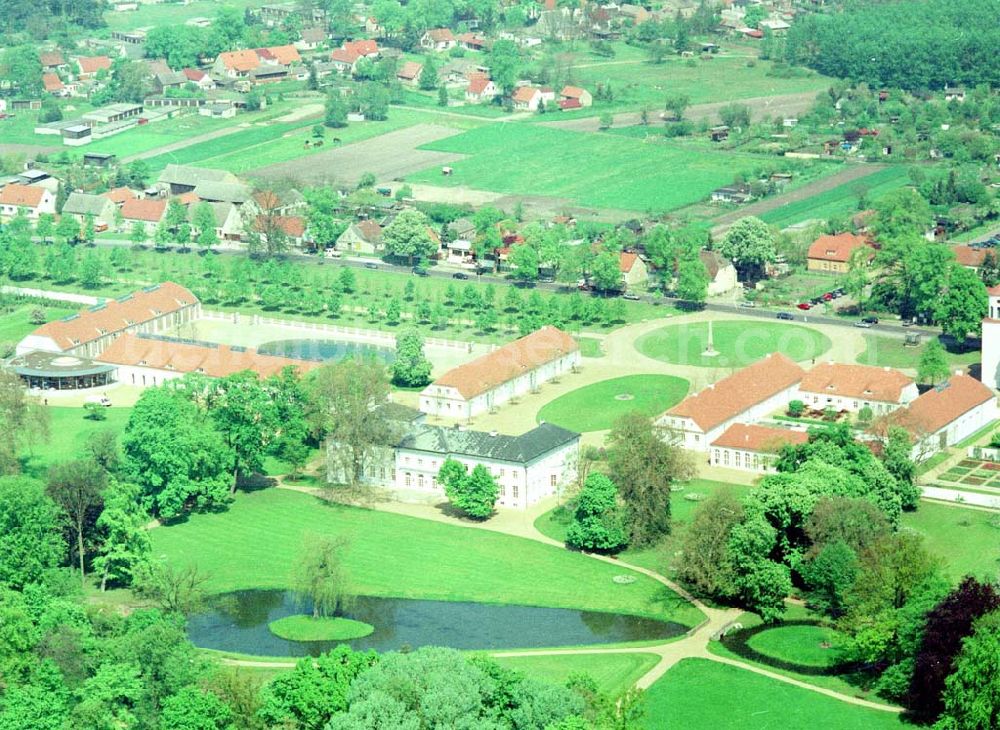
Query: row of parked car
991	242
821	299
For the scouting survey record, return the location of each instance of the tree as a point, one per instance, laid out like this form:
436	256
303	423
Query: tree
195	709
21	67
676	104
138	234
735	115
45	226
346	405
504	62
933	365
897	456
989	270
408	236
76	487
23	420
429	75
174	454
335	110
125	547
900	215
67	229
242	411
597	517
971	696
319	576
177	589
442	95
692	279
644	466
411	369
474	494
705	562
963	304
947	625
29	532
91	270
523	260
203	220
605	271
749	243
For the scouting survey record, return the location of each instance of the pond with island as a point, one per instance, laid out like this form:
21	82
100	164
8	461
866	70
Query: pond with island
238	622
327	350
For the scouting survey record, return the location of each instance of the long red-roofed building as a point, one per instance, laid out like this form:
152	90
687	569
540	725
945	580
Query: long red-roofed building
489	381
752	447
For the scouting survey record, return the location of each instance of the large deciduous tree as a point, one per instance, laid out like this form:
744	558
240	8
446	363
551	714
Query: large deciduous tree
319	576
76	487
30	542
411	368
475	493
962	304
243	412
750	244
972	691
23	422
408	236
597	517
125	547
933	363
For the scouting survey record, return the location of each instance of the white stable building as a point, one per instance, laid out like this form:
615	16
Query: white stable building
853	387
491	380
948	413
991	341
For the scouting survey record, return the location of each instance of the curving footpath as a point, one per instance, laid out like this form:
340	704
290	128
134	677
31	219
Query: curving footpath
693	645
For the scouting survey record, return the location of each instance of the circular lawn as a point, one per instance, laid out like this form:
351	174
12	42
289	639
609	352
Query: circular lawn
803	644
306	628
738	343
597	406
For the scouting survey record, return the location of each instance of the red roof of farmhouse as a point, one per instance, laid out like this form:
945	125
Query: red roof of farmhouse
508	362
944	403
23	196
836	248
751	437
856	381
216	361
116	315
745	388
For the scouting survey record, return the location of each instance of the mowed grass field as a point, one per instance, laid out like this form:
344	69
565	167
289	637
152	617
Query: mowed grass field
254	544
738	343
597	406
16	323
699	693
840	201
614	673
589	169
891	352
966	540
69	434
814	646
170	13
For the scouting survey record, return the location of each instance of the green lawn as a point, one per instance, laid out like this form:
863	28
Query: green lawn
255	542
170	13
596	407
799	644
840	201
891	352
16	323
590	347
738	343
69	433
967	540
590	169
614	673
698	693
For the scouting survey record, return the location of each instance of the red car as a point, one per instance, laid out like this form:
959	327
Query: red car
805	306
828	296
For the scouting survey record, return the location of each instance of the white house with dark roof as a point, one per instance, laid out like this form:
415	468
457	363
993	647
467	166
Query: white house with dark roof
489	381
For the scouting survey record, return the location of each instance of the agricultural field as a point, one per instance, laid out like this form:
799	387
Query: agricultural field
597	406
705	694
252	544
738	343
587	169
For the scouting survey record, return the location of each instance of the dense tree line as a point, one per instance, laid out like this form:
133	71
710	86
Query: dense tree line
926	44
44	19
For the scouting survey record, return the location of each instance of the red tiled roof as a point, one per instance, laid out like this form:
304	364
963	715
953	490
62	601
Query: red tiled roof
572	92
511	360
742	390
52	82
292	225
944	403
478	84
363	47
120	195
759	438
570	104
836	248
194	74
441	35
146	209
344	55
525	94
626	261
993	291
244	60
52	58
370	230
968	256
410	70
864	382
283	54
117	315
23	196
183	357
93	64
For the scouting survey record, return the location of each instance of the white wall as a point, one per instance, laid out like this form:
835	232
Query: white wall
959	429
991	348
741	459
819	401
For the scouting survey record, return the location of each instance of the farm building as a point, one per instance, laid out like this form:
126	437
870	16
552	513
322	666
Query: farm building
833	253
491	380
98	207
31	200
947	414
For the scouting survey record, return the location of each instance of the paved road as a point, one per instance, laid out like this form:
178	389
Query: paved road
731	308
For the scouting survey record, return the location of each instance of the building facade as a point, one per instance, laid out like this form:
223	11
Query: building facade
750	447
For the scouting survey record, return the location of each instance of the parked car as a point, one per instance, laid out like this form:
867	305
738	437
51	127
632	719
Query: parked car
805	306
631	297
870	320
863	323
420	271
747	305
460	275
371	265
785	315
828	296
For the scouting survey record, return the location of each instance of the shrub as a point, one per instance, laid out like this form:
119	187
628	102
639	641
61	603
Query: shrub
796	408
865	416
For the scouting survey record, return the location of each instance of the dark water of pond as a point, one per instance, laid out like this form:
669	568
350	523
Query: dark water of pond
238	622
327	350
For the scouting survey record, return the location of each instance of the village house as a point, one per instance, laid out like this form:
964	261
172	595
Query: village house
732	194
363	237
480	89
150	360
53	84
311	39
527	98
148	211
222	192
853	387
292	226
97	207
634	270
833	253
177	179
489	381
89	333
969	257
438	39
473	42
347	56
947	414
118	196
751	447
722	276
228	221
29	200
582	97
88	66
199	78
53	61
409	73
168	80
745	396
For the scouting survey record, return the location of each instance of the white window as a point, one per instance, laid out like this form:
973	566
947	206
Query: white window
409	479
552	480
514	491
